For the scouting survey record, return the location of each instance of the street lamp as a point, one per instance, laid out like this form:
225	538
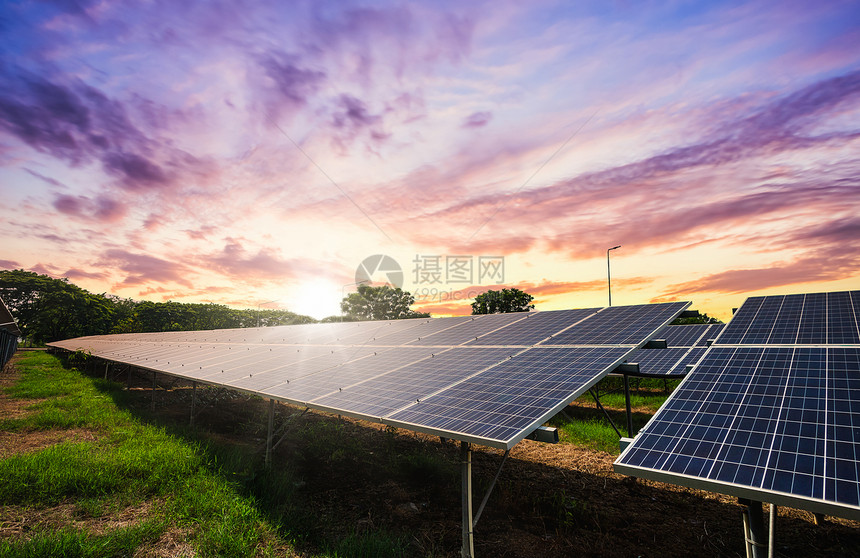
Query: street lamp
608	280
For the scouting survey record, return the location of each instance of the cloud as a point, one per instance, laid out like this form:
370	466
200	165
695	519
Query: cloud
75	273
477	120
140	269
79	124
676	195
237	263
831	264
101	209
9	264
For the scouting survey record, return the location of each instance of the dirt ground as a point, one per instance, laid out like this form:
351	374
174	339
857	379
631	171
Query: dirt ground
551	500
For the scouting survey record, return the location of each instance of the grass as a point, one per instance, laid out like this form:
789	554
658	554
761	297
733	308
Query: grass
215	494
586	426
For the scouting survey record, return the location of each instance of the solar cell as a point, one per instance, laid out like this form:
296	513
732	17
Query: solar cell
771	412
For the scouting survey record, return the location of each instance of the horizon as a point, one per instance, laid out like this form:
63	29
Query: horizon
274	156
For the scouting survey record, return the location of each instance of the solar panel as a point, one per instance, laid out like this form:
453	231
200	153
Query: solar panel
619	325
762	419
535	327
386	393
471	330
443	375
689	335
513	397
802	319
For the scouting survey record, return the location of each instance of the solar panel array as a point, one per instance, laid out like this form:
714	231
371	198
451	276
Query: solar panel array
488	379
771	412
685	345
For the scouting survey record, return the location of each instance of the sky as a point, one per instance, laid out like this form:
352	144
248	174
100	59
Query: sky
273	154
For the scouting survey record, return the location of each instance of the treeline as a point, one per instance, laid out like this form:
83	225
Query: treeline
49	309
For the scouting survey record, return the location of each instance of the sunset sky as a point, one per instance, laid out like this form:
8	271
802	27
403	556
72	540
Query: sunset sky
255	154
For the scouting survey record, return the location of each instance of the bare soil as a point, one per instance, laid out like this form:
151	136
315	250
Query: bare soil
551	500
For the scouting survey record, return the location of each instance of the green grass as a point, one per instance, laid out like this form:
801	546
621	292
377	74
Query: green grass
585	425
222	497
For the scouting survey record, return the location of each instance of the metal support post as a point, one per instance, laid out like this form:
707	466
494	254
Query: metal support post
627	404
193	402
771	532
107	369
154	375
269	434
755	531
468	550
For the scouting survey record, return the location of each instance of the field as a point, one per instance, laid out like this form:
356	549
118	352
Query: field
90	468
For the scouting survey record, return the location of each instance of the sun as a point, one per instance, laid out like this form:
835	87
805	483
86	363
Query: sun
317	299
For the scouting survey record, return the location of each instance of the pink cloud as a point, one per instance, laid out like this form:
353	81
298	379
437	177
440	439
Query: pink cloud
101	209
477	119
140	269
9	264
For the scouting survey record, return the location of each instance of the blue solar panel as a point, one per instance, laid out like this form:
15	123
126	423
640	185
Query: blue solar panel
683	335
619	325
503	402
384	394
775	423
802	319
659	362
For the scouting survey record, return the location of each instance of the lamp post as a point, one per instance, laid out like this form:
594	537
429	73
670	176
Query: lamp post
608	275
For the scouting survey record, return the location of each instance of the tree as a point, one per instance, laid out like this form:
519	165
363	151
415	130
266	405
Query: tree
702	318
501	302
49	309
380	303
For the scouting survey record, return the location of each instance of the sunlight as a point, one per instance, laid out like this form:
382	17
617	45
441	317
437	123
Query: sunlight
316	298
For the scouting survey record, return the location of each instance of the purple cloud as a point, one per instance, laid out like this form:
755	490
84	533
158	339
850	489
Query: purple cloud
292	83
9	264
477	120
141	268
236	262
101	209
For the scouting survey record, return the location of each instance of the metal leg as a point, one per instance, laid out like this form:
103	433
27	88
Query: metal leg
193	402
269	435
107	369
468	550
771	531
154	375
755	530
627	404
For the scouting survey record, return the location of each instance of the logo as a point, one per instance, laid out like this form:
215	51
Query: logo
380	269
